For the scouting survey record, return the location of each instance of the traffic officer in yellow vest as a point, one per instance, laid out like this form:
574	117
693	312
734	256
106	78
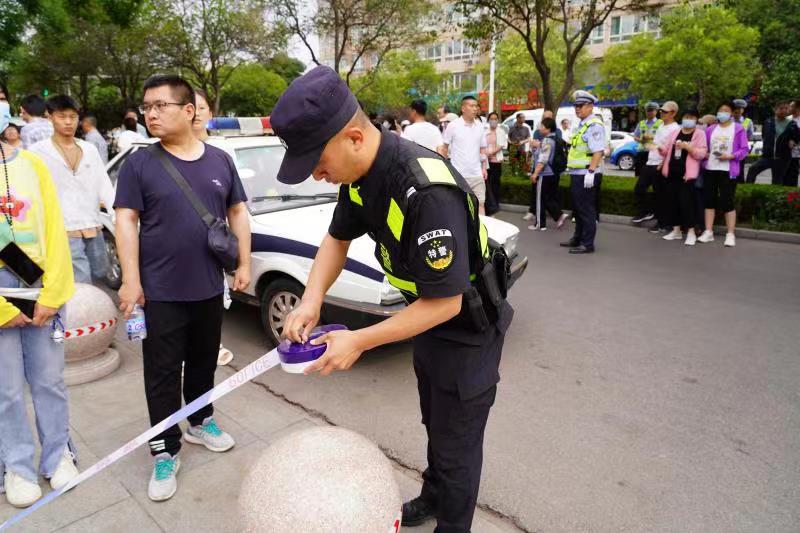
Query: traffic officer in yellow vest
739	105
644	134
431	245
584	166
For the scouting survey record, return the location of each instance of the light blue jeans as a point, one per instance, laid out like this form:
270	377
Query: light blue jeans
29	354
89	258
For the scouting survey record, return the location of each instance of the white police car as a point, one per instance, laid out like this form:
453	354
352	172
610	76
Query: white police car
288	222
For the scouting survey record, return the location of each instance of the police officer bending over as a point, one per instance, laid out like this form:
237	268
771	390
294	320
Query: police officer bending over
583	164
431	245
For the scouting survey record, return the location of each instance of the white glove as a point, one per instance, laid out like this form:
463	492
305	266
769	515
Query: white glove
588	180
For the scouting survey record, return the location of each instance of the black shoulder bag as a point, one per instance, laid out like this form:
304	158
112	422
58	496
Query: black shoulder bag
223	243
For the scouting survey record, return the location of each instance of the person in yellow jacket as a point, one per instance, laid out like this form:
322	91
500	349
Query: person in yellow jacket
30	217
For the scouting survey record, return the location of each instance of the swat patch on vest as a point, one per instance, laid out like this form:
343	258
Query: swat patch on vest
438	249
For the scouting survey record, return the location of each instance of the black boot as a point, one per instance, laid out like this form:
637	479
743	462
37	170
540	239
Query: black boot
572	243
417	512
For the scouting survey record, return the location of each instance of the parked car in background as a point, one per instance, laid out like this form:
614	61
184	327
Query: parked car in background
287	223
534	116
624	156
618	138
757	144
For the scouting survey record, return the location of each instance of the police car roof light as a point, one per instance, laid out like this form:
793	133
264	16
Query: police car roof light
234	126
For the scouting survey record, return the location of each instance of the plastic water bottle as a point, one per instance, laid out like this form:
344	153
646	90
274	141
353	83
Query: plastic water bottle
226	298
136	326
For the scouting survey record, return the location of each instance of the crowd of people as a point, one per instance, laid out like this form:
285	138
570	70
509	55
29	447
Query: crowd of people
53	187
693	165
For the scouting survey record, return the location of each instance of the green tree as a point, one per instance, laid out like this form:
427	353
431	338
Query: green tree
782	80
207	40
356	29
778	21
516	75
536	22
252	90
704	55
286	67
402	77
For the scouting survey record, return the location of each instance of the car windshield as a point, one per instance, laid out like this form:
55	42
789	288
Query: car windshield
258	168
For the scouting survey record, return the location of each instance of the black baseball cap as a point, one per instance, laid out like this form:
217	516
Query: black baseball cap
314	108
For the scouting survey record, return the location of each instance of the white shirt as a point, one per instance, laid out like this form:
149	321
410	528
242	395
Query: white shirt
654	158
501	141
127	138
424	134
721	143
465	142
79	194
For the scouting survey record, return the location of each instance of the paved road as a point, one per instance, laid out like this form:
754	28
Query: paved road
648	387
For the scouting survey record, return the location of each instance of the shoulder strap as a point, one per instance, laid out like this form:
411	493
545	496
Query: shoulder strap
180	181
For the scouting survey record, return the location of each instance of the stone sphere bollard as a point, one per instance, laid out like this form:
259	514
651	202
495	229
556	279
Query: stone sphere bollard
88	354
321	479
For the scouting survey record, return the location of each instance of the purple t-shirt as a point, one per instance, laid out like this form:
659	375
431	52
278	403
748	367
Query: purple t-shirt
175	262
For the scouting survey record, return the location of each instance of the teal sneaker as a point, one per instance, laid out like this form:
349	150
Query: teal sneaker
163	482
210	436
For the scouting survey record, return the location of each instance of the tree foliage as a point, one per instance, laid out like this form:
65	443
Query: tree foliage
778	21
516	74
782	81
538	21
704	55
402	78
208	39
361	29
252	90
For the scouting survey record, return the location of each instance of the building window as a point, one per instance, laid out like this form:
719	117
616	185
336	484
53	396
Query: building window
624	27
598	35
458	49
433	52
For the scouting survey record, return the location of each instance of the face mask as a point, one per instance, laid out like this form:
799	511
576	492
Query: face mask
386	124
722	116
493	123
689	123
5	116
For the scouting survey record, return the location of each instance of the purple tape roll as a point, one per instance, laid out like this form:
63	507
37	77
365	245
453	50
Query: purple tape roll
293	353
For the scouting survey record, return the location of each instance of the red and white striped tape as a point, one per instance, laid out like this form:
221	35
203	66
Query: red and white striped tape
88	330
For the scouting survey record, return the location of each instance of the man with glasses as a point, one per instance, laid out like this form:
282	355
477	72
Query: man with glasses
168	268
584	166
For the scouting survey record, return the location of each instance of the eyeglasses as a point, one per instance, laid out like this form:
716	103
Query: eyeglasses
160	107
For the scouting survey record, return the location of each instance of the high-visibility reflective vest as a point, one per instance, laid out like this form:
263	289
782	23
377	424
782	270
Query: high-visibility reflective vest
425	171
579	154
644	129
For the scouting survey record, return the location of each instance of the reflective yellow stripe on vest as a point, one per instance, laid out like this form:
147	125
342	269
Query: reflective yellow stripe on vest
394	219
484	241
354	196
436	170
403	285
579	154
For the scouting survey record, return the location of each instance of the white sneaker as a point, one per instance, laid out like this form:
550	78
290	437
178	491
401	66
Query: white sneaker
691	239
533	227
528	216
19	491
224	357
542	229
163	481
210	436
66	470
561	220
730	240
673	236
706	236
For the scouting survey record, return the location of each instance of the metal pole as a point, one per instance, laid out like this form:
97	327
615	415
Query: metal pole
491	77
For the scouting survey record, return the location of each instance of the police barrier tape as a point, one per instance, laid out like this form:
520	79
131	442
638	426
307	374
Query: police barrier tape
248	373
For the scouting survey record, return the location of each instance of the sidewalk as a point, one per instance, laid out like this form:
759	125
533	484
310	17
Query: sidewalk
106	414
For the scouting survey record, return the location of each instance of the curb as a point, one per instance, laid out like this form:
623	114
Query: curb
744	233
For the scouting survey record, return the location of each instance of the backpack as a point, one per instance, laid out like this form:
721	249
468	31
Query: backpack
559	163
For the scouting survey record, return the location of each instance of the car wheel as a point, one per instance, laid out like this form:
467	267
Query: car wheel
114	273
279	298
626	162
